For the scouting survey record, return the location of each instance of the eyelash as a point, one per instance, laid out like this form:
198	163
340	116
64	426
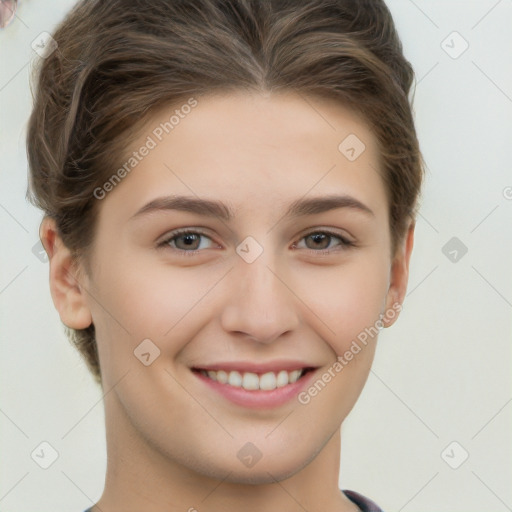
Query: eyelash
345	244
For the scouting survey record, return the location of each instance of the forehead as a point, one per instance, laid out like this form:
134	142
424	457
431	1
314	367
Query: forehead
251	148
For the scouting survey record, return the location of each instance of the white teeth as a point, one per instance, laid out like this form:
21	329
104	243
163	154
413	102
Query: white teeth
251	381
235	379
294	376
282	378
222	376
268	381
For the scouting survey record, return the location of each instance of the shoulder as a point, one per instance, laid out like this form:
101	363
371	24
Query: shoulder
364	503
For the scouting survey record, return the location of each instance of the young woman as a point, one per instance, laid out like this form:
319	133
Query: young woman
230	190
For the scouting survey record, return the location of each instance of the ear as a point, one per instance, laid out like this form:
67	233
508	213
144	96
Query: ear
399	277
67	293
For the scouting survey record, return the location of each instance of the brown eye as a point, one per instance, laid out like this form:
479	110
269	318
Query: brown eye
319	241
189	241
186	241
322	242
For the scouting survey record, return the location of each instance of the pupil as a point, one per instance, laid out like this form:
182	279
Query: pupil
188	239
319	237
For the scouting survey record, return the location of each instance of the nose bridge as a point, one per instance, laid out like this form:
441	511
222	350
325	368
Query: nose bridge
259	304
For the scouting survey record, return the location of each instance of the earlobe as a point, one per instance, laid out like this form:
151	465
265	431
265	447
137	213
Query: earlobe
68	294
399	278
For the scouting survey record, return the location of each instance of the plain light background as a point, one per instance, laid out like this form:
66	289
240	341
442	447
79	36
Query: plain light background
440	388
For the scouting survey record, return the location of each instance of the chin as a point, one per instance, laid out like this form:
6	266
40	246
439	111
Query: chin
268	470
262	475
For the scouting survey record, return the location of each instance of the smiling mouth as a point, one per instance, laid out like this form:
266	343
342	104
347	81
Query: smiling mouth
252	381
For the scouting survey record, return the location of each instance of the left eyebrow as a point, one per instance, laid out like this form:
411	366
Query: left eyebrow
211	208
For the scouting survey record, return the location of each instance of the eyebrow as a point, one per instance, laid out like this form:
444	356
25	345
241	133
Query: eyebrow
212	208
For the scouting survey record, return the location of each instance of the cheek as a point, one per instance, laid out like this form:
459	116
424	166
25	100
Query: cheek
148	297
347	299
160	299
134	301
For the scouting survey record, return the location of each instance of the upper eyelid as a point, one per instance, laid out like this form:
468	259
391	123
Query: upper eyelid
183	231
344	239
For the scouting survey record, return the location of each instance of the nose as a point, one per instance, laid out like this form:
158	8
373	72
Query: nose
261	304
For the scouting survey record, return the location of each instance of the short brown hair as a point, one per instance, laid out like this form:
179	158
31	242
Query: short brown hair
118	61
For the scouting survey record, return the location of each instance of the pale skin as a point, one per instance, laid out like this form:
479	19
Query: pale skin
172	442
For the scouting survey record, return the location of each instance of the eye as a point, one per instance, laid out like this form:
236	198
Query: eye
321	242
185	241
189	242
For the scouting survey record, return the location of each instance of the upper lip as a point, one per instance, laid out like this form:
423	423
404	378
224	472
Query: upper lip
251	366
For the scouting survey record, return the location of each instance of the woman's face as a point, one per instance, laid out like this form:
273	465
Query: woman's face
288	281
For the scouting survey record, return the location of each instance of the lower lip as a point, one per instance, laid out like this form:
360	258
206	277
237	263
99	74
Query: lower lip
259	399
